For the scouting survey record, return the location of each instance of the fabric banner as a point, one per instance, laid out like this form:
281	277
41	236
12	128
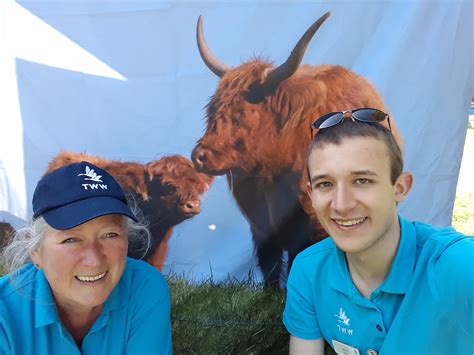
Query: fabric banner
125	81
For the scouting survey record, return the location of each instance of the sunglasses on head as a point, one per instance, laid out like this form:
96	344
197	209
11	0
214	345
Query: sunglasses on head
365	114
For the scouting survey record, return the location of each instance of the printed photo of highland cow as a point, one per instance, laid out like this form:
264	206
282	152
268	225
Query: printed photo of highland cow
203	112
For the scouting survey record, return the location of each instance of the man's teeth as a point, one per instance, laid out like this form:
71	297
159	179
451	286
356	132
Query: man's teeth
350	222
91	278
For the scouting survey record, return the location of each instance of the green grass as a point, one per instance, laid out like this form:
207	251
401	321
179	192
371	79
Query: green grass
231	318
463	214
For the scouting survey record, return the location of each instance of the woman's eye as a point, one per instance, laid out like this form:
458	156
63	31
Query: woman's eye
111	235
69	240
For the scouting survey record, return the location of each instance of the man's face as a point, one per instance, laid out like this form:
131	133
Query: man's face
352	193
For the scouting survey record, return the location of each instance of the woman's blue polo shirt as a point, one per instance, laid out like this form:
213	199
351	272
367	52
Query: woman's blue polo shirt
424	306
135	319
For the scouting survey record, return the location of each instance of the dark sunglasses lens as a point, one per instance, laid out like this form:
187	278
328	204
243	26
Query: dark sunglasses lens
369	115
328	120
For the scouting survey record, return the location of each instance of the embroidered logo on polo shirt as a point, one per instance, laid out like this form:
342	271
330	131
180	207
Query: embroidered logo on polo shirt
92	175
345	320
342	317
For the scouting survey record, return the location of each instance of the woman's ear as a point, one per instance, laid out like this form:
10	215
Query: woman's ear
403	186
35	257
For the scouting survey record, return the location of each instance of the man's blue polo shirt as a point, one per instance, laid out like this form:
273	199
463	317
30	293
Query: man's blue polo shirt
135	319
424	306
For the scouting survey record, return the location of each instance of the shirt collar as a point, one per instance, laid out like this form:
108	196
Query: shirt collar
118	298
339	278
401	270
45	307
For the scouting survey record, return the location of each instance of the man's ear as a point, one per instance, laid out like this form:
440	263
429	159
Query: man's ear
403	186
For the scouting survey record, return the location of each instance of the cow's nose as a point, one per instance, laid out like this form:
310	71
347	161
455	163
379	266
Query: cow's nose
192	207
199	156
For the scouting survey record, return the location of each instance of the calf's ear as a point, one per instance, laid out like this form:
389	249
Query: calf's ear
154	169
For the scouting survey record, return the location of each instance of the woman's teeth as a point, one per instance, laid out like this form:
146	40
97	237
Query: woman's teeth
90	278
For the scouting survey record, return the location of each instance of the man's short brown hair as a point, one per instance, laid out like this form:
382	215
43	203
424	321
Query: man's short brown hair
350	129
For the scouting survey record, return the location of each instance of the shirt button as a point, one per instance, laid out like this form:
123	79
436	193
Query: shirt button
379	327
371	352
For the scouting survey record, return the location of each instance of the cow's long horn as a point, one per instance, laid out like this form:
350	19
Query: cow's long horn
217	66
287	69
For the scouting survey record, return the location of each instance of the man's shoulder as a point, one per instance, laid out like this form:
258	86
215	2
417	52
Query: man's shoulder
317	252
445	251
438	239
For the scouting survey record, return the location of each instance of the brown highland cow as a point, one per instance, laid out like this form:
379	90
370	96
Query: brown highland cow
167	192
258	131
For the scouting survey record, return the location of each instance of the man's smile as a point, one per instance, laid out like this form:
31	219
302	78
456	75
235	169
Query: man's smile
349	222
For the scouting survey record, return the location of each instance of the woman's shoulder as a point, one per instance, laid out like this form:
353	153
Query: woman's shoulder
139	274
22	279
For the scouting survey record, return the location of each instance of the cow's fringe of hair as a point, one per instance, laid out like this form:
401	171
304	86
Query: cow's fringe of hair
29	238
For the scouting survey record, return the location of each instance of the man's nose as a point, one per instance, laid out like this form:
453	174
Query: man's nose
343	199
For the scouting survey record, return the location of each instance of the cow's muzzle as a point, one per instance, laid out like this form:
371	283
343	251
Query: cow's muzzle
191	207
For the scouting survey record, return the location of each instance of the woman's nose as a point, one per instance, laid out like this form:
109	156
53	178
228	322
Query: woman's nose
93	255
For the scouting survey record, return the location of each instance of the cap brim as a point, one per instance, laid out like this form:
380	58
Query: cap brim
76	213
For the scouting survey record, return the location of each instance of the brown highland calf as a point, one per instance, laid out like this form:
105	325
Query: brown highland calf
258	131
167	192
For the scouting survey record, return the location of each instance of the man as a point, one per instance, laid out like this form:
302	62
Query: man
380	284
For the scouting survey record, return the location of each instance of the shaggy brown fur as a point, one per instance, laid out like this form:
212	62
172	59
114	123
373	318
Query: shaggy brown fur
167	192
6	232
259	139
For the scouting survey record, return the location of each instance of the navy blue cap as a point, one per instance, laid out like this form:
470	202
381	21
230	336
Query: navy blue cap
77	193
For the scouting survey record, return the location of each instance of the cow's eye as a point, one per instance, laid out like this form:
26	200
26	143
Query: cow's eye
169	189
255	93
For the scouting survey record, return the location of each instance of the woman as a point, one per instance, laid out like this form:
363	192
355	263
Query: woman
71	288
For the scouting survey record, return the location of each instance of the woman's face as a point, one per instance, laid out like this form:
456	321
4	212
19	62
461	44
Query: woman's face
83	264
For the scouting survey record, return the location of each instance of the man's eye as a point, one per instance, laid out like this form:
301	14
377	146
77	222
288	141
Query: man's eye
323	185
111	235
362	181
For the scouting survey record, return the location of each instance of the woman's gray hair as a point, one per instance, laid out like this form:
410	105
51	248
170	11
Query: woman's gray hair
23	242
28	239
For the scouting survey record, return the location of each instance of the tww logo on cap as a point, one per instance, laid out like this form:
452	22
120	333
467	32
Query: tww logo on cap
92	175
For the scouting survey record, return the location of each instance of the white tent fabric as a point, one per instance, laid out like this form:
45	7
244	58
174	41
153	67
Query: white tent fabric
124	80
